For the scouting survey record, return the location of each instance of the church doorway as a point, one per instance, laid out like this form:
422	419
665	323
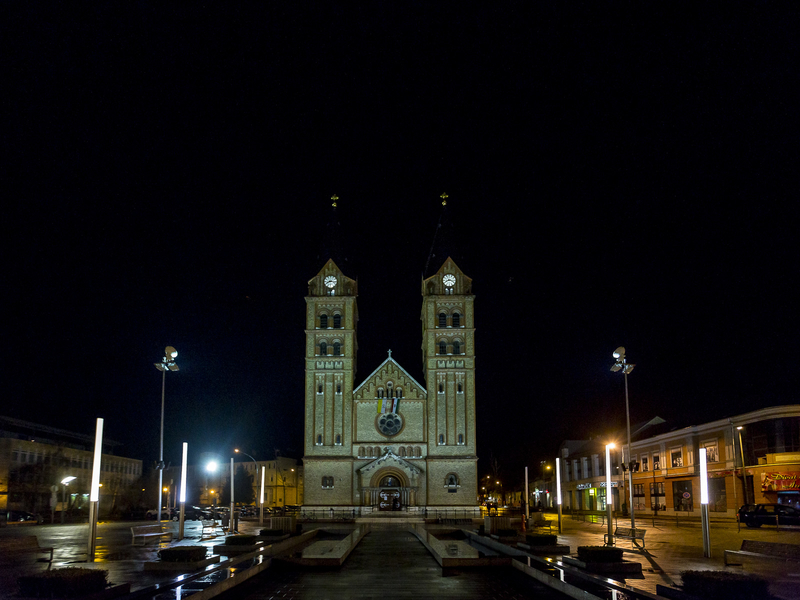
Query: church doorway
390	493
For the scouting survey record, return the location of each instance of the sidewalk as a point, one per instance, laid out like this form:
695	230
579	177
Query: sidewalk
672	548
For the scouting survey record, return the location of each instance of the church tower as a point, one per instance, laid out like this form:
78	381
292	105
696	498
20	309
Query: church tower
331	348
448	354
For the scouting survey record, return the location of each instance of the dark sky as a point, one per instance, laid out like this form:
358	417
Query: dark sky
618	174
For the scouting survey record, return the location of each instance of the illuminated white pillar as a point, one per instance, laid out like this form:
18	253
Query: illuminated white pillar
558	491
230	519
261	497
609	496
182	496
704	504
94	490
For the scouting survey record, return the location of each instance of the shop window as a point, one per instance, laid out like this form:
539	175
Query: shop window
682	496
657	497
323	321
638	496
676	457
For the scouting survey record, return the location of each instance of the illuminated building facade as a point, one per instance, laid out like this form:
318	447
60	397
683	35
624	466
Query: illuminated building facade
751	458
390	443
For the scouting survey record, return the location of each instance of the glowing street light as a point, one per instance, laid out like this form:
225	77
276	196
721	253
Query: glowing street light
704	503
64	483
167	364
626	368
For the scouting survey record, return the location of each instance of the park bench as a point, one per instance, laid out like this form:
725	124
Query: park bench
627	533
146	532
10	547
209	525
543	523
771	550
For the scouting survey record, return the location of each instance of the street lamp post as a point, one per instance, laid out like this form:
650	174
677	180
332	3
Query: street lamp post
167	364
626	368
609	497
744	473
261	518
64	484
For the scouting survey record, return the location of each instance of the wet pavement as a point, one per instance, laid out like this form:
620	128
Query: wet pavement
393	558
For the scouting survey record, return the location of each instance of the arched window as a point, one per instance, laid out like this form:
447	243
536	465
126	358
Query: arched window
460	388
319	440
323	348
337	349
338	388
441	388
456	347
337	321
361	453
339	439
456	320
442	320
441	439
399	392
460	439
418	452
380	392
442	347
451	480
319	388
323	321
402	451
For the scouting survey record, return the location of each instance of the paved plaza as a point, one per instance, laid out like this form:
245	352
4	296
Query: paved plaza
389	561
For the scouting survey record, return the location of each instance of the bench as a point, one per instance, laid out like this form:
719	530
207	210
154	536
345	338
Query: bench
543	523
146	532
754	549
211	525
626	533
29	543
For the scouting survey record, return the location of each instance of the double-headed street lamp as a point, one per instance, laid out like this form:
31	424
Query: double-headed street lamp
622	365
167	364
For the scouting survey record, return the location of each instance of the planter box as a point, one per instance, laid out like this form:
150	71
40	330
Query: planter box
233	549
107	594
625	566
160	565
554	550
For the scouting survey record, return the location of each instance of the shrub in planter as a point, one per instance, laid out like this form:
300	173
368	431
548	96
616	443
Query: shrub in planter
71	582
725	585
541	539
599	554
183	554
270	532
240	540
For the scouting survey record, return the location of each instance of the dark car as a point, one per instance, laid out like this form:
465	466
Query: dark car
756	515
20	517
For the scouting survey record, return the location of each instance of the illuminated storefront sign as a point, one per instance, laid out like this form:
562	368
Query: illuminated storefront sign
602	484
780	482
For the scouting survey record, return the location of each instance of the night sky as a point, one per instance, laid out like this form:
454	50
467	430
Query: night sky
618	174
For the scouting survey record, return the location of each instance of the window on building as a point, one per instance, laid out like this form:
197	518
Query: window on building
337	349
338	439
441	388
717	496
319	440
451	480
456	320
441	439
361	453
676	457
712	451
323	321
644	463
682	495
418	452
638	496
402	451
442	347
319	388
399	392
656	461
323	349
380	392
442	320
456	347
338	388
460	439
657	496
337	321
460	388
327	482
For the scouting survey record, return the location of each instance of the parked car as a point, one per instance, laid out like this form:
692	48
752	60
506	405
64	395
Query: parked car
756	515
20	517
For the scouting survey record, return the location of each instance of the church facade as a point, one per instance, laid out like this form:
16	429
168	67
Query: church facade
389	442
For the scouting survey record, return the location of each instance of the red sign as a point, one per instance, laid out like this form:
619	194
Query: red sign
780	482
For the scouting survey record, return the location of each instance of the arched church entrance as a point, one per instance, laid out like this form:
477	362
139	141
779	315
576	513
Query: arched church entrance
390	493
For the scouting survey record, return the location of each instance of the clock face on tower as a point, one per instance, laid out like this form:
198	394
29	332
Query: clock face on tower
330	281
449	280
